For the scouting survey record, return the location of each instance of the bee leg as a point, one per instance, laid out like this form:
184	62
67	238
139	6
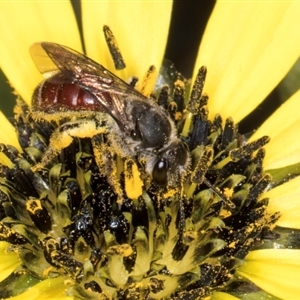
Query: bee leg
63	136
109	164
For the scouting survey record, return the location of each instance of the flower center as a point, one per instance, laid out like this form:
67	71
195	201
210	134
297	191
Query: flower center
185	241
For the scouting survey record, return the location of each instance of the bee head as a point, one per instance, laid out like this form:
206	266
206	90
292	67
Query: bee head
171	163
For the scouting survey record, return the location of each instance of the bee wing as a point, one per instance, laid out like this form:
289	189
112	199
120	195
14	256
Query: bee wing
109	89
51	58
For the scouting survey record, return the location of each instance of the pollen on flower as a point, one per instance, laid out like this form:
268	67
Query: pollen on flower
133	182
93	218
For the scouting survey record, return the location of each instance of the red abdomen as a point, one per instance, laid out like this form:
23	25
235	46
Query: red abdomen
58	93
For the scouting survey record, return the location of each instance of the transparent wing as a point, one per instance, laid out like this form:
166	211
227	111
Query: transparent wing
51	57
109	89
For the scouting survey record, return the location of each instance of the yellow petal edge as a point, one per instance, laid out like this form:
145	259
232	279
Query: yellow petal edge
23	23
46	289
283	129
248	47
285	199
9	260
275	271
8	133
140	28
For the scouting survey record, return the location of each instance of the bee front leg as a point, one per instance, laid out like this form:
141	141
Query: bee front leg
63	136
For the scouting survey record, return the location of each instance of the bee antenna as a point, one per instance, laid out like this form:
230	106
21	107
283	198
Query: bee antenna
114	48
198	175
218	193
181	219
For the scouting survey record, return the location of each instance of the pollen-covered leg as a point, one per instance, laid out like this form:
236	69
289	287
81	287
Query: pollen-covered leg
114	167
63	136
109	163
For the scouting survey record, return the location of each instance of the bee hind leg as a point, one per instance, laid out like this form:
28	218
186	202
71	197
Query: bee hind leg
63	136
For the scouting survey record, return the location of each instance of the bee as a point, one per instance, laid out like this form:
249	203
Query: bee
98	102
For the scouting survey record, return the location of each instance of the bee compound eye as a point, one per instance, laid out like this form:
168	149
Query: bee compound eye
160	172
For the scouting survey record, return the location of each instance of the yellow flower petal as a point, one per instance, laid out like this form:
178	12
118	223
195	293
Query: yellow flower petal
140	28
46	289
275	271
283	128
248	47
23	23
8	133
9	261
285	198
